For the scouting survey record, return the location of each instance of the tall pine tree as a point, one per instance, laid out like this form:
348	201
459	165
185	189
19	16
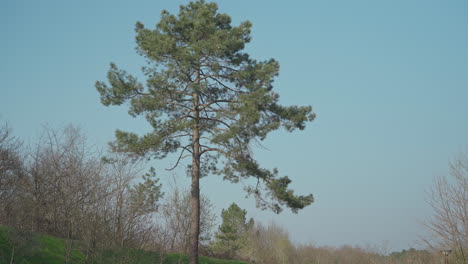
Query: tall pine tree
208	100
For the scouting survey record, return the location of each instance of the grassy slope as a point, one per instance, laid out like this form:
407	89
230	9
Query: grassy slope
34	248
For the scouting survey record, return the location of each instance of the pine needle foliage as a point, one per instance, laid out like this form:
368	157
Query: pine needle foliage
233	231
208	100
199	54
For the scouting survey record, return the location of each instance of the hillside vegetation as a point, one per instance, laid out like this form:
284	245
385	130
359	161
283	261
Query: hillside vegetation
90	207
27	247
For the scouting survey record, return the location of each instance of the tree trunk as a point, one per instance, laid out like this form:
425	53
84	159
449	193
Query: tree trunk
195	217
69	242
12	255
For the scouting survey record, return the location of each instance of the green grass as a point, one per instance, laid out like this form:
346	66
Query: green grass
43	249
33	248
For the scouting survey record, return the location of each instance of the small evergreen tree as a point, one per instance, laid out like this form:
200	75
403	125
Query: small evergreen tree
232	232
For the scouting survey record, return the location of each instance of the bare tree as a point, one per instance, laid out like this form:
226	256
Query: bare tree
269	245
11	174
175	218
64	187
449	200
65	174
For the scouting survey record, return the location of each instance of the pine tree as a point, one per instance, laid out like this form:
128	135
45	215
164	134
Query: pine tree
232	232
207	100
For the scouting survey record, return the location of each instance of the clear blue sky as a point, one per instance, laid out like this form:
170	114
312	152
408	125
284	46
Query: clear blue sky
387	79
